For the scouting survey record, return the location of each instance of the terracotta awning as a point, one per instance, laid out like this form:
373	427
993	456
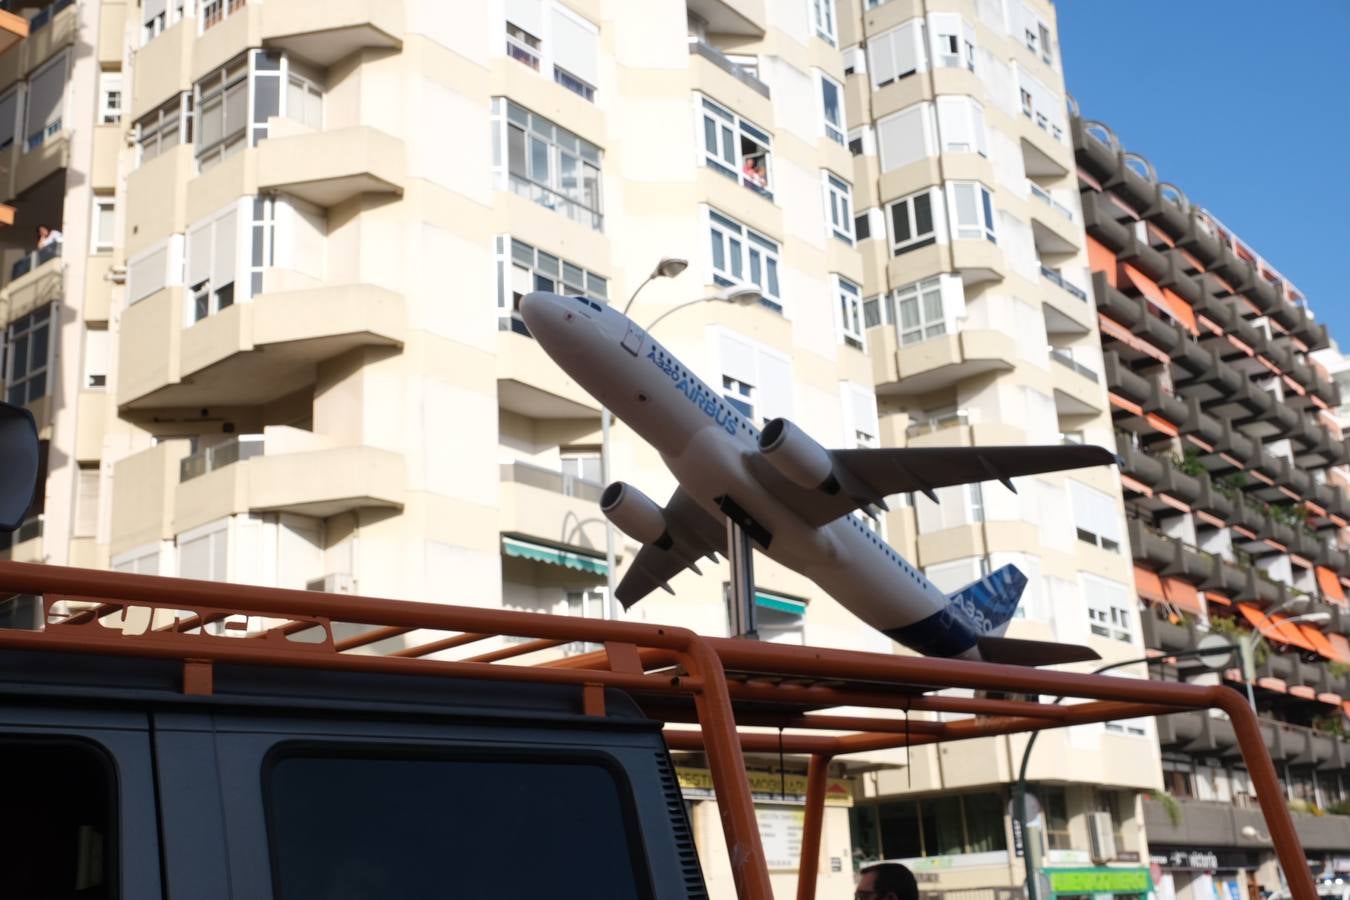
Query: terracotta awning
1276	629
1318	640
1341	645
1219	599
1184	312
1145	286
1101	259
1331	699
1182	594
1302	690
1330	583
1272	684
1149	585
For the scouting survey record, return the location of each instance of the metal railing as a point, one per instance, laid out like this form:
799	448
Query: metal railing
1054	276
1065	358
208	459
719	59
551	199
938	423
1045	197
43	17
548	480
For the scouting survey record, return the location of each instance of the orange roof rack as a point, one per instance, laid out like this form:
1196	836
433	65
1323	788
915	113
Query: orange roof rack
673	674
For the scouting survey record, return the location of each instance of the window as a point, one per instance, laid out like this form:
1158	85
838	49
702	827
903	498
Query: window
102	230
573	83
1108	608
211	265
166	127
944	825
153	269
157	15
953	41
262	243
28	351
325	840
895	54
850	311
141	561
9	117
832	107
741	255
68	834
906	137
583	464
1047	53
839	207
522	46
110	98
862	225
735	147
921	313
46	97
912	223
857	144
222	104
529	269
1095	516
822	17
858	408
961	124
95	358
548	164
973	206
575	51
86	501
739	394
202	552
1025	96
304	100
213	12
1055	807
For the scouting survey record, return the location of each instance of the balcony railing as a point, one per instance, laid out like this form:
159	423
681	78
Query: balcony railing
1045	197
209	459
551	199
719	59
548	480
1065	358
34	258
938	423
1053	275
43	17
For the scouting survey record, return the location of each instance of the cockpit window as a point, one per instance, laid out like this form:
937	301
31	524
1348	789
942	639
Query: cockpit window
586	301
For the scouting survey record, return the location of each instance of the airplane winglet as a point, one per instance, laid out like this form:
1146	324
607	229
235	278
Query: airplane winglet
1003	479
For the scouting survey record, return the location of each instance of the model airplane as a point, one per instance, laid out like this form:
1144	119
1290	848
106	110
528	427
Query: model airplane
792	496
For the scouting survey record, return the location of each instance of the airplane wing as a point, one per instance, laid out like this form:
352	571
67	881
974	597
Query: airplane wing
871	475
693	533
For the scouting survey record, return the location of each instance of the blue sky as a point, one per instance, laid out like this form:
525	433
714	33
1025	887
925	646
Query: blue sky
1245	106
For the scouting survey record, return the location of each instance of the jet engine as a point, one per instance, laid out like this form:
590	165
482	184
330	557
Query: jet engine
797	456
633	513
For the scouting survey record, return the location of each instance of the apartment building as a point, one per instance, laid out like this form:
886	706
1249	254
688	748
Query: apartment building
279	343
977	316
1228	422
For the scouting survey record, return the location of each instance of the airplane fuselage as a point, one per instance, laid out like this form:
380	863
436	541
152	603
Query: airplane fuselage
707	444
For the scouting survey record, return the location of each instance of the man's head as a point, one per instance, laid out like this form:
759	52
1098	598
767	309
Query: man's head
886	881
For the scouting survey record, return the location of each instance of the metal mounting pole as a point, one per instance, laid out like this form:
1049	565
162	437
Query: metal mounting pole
605	449
741	555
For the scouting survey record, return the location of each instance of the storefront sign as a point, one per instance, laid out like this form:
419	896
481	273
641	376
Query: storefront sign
789	787
1067	858
780	831
1099	881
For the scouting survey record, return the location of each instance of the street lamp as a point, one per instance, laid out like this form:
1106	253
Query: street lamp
1248	643
668	267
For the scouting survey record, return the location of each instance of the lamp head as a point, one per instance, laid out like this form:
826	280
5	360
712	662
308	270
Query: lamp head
669	267
741	296
1318	617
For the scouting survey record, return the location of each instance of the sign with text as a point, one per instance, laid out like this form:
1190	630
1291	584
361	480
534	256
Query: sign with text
789	787
1100	881
780	831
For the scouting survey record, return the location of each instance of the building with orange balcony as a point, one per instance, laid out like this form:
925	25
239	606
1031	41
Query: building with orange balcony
1233	463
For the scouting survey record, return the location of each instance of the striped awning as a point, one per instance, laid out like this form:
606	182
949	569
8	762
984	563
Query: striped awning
555	556
778	603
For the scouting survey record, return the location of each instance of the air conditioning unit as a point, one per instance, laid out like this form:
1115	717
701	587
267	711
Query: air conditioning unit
334	583
1101	837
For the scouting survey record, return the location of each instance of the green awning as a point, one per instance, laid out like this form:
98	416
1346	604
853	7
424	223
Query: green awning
552	555
780	604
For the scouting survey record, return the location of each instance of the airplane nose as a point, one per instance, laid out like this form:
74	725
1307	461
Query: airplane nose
542	311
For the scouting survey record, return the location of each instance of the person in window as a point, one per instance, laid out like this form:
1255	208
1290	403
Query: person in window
753	170
46	236
886	881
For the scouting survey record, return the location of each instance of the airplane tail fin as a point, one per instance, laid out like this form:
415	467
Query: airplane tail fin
989	603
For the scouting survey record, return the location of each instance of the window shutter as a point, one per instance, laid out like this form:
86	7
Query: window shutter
147	274
45	90
224	264
150	9
199	254
900	138
194	558
775	388
575	46
864	410
905	48
738	359
881	58
218	560
526	14
95	354
954	121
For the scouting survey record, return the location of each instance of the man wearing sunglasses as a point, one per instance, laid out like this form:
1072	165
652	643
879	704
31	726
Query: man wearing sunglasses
886	881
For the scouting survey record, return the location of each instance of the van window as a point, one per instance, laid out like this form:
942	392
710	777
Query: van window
55	821
387	828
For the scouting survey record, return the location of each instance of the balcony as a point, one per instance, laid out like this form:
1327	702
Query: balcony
1201	425
35	278
287	470
13	28
343	28
740	18
1095	148
1133	181
1137	464
1078	390
937	362
328	167
1212	500
1053	225
1200	238
1168	210
1122	380
1162	402
552	506
1178	484
1056	278
744	75
249	353
530	384
1100	221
